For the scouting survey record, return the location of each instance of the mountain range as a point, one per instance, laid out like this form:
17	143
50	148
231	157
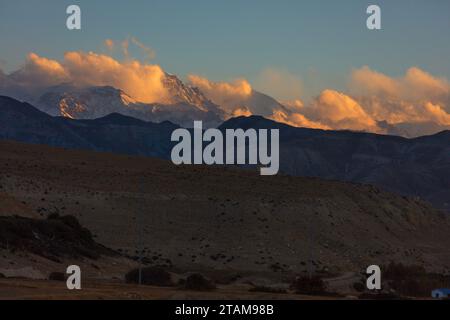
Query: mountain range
418	167
91	102
183	102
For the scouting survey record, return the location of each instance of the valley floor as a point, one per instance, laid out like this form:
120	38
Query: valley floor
101	289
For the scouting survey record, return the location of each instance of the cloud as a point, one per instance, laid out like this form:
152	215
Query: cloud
330	110
373	102
229	95
279	83
294	105
365	81
242	111
373	97
149	53
437	114
142	81
125	45
415	85
297	120
109	44
339	111
39	71
415	97
418	84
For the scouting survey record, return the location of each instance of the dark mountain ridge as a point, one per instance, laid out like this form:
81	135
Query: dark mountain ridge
418	167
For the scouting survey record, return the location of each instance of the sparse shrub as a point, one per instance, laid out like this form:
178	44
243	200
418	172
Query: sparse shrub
53	215
152	276
267	289
57	276
276	267
413	280
359	286
71	221
399	271
227	278
309	285
198	282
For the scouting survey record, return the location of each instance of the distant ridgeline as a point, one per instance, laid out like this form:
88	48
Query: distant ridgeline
416	167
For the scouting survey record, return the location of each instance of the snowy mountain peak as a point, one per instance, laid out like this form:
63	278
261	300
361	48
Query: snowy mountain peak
186	103
182	93
83	102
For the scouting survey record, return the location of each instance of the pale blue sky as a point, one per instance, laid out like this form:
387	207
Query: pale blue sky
318	41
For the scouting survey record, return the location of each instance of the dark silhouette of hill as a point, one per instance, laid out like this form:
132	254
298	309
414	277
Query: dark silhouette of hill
416	167
113	133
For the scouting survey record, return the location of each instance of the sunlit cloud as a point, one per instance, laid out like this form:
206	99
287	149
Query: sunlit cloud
415	85
109	44
242	111
142	81
149	53
229	95
372	102
297	120
279	83
125	44
341	112
40	71
415	97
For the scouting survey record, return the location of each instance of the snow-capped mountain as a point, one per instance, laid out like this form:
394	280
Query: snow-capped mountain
84	102
186	104
261	104
182	93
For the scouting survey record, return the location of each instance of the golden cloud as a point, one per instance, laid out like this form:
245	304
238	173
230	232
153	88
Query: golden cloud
437	114
142	81
415	97
279	83
40	71
109	44
242	111
340	111
296	120
228	95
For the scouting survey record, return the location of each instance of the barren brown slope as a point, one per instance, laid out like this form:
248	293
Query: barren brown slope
225	219
11	206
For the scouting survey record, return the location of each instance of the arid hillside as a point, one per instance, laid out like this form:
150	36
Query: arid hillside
217	218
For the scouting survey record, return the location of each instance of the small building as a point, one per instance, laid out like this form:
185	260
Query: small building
440	293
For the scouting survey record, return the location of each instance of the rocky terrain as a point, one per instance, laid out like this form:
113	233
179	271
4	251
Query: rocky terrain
221	219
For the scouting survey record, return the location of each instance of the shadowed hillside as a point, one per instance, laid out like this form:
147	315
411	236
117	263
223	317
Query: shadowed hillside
224	218
416	167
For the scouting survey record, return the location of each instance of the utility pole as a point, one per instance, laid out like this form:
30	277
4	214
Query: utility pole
140	229
311	248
